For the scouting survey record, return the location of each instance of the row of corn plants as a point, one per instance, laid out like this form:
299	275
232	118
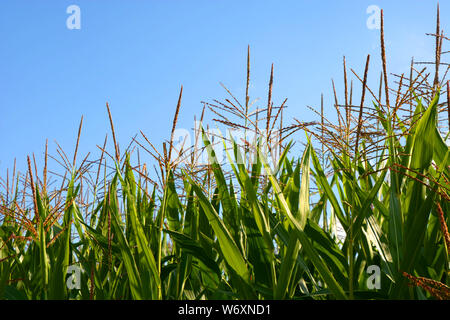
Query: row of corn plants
250	244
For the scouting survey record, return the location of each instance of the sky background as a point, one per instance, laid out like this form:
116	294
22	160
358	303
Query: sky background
135	54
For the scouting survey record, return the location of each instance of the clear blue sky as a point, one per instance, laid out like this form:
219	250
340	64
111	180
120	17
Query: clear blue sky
135	54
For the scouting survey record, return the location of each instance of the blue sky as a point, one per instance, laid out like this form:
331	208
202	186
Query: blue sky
135	54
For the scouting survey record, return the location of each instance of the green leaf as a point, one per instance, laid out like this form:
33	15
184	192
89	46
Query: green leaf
193	248
305	242
229	248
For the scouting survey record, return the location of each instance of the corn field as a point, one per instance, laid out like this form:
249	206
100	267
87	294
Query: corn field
361	212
